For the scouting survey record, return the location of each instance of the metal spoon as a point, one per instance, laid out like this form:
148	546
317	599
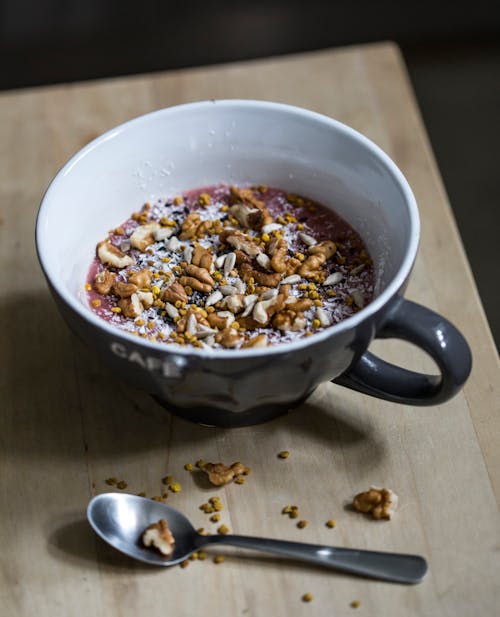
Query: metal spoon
120	520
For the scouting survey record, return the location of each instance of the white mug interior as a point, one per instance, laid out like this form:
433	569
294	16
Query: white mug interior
233	142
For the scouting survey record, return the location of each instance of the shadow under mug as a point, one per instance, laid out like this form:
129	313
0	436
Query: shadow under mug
250	142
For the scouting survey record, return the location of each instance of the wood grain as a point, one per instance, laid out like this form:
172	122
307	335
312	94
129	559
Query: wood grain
67	424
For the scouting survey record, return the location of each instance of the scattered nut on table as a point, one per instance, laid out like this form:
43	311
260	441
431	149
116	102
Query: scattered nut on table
220	474
380	502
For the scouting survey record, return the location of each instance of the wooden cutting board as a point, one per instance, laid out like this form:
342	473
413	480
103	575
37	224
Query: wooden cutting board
67	424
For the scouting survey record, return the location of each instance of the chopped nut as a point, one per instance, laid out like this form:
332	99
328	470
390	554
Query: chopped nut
159	536
331	523
202	257
302	524
278	249
219	558
184	564
355	604
146	298
257	341
109	254
103	282
380	502
289	320
220	474
131	307
247	198
143	235
190	226
283	454
243	242
124	290
175	292
175	487
307	597
141	278
228	338
111	481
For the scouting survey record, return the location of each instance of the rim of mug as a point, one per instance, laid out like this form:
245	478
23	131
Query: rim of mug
348	323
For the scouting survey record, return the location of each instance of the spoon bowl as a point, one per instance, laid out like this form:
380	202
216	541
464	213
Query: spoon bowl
120	520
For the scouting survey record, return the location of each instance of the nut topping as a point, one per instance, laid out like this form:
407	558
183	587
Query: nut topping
111	255
103	282
230	267
143	236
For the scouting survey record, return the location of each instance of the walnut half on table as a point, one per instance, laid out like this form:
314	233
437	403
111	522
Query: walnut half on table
159	536
379	502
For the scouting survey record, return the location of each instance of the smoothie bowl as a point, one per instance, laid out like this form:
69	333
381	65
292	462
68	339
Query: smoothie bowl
229	256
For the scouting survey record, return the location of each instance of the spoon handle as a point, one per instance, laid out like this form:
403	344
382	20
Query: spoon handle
394	567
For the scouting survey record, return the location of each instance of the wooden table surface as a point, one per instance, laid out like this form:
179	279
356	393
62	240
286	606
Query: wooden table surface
66	424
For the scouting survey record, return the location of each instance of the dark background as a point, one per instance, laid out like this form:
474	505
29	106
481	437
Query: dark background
452	50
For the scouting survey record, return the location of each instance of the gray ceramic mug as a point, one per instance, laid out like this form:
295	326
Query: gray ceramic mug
249	142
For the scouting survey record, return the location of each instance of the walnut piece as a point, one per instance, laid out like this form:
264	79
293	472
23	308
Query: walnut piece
131	307
143	236
174	293
103	282
319	254
159	536
380	502
141	278
202	257
246	197
111	255
257	341
194	226
228	338
241	242
289	321
124	290
278	249
220	474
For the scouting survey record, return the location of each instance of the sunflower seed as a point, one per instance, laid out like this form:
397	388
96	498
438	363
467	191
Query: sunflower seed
264	261
270	293
333	279
173	243
171	310
307	239
213	298
188	254
358	297
191	325
229	262
357	269
240	286
219	262
290	280
324	318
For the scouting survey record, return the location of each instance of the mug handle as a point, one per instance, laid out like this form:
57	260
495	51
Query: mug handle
432	333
